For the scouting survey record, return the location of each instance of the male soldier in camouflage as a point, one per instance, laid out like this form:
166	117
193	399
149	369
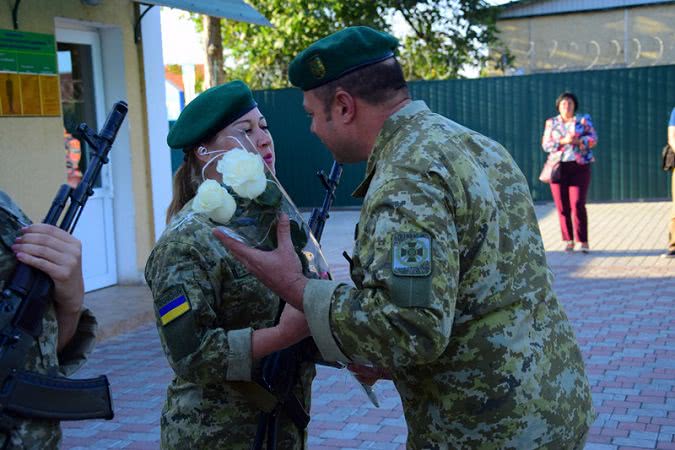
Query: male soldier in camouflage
68	329
213	316
453	293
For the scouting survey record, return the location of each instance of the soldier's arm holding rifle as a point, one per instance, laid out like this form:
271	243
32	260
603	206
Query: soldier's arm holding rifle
43	325
59	255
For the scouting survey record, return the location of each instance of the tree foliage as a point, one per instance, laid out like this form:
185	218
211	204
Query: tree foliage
444	35
447	35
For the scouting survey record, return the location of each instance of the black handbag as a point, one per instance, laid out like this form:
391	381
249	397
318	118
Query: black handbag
668	158
551	171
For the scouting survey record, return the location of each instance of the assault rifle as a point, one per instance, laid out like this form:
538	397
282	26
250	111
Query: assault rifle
23	306
320	215
279	370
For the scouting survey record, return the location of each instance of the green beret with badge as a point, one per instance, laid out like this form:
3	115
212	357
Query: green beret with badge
338	54
210	112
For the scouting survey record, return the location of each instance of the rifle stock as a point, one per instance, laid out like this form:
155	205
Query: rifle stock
37	396
25	301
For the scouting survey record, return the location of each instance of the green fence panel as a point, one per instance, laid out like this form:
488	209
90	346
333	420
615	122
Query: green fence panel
629	107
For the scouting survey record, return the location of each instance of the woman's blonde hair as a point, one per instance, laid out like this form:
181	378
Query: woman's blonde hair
185	183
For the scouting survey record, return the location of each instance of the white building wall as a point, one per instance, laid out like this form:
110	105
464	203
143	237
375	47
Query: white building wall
158	127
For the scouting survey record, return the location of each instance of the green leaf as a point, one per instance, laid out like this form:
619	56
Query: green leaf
271	196
298	236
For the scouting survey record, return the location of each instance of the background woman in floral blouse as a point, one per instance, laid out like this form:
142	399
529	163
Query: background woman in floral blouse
573	136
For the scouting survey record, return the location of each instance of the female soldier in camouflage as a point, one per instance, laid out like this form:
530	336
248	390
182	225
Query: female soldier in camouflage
212	314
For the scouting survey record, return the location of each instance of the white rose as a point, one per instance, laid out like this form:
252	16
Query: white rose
214	200
224	213
244	172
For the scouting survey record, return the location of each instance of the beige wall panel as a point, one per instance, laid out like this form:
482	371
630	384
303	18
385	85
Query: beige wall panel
635	37
32	161
31	149
655	30
515	35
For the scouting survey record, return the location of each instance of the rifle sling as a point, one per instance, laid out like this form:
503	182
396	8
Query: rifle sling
267	402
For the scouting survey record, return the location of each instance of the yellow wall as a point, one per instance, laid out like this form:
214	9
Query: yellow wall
32	161
634	37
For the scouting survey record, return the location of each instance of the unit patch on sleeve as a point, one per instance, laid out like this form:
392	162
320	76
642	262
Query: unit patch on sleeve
174	308
411	254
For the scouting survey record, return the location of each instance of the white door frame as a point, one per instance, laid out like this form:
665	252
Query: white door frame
104	195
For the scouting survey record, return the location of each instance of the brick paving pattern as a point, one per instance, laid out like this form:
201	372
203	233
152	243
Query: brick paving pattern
620	298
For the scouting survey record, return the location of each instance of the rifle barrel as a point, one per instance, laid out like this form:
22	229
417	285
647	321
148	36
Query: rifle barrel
320	215
102	144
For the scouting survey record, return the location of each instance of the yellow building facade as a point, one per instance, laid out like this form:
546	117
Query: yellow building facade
99	63
559	35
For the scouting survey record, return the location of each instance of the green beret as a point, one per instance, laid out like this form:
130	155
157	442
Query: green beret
338	54
210	112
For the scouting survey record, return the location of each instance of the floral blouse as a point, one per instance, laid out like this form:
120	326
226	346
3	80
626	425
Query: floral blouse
582	127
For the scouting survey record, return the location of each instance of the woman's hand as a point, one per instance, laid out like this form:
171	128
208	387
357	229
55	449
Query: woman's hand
292	326
570	138
59	255
566	140
291	329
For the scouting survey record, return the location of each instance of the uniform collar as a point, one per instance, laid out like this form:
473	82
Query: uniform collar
389	129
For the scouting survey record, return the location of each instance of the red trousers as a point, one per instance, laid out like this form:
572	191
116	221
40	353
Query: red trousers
569	196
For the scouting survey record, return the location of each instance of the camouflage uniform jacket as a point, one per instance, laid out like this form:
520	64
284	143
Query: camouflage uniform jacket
453	295
208	340
43	358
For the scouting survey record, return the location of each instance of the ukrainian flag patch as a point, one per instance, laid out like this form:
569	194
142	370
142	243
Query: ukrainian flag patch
174	309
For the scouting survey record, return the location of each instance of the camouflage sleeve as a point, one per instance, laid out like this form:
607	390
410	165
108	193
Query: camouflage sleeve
182	281
75	354
316	300
406	272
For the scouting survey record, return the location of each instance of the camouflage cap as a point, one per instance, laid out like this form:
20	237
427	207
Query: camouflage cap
210	112
338	54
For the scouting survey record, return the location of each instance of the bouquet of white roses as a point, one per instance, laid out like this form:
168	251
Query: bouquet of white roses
247	204
246	207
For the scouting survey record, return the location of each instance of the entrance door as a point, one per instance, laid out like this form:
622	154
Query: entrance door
81	76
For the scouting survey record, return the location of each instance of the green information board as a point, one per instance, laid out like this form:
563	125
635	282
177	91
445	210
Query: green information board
22	52
29	80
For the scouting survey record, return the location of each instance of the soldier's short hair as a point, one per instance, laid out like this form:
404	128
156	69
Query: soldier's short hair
373	84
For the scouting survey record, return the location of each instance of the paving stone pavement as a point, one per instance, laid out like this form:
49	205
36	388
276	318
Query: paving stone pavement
620	299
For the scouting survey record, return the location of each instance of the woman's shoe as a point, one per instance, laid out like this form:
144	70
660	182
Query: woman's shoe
569	246
583	246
